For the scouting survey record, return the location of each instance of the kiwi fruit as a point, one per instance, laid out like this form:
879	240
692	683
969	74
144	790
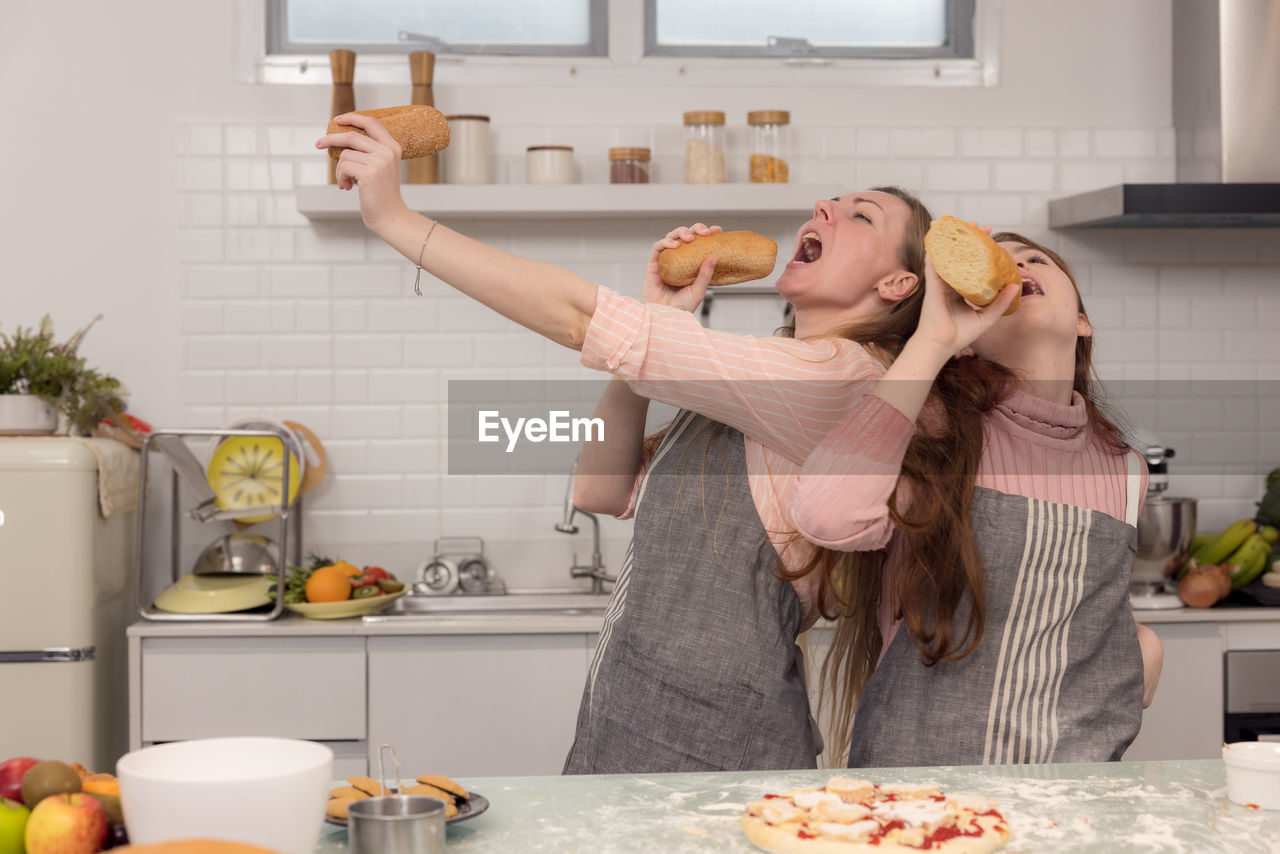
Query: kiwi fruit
110	805
48	778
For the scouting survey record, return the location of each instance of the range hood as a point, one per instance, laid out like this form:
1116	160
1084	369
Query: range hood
1226	114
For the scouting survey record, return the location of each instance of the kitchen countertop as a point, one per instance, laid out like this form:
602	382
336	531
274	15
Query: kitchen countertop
1114	807
293	625
1223	613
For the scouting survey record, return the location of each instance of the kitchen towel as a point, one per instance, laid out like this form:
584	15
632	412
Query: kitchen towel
117	475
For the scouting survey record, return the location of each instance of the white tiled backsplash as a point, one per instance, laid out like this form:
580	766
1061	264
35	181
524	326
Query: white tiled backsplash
317	322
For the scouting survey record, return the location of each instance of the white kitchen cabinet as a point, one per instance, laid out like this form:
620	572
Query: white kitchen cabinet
1185	719
477	705
294	687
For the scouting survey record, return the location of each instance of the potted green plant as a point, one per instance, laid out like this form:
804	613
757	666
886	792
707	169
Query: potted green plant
42	381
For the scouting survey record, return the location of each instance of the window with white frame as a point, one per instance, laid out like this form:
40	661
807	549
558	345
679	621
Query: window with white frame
497	27
640	42
884	29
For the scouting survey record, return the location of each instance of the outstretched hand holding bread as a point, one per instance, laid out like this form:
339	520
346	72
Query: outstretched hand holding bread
741	257
971	262
418	129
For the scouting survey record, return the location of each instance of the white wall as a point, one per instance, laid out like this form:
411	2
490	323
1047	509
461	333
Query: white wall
145	183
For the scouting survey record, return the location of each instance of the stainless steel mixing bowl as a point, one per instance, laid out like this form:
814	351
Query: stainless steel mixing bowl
1165	529
238	554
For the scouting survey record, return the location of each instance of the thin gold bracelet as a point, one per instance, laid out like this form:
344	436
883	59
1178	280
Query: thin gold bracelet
418	277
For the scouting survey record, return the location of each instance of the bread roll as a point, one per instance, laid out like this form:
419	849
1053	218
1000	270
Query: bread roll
968	260
195	846
743	256
420	130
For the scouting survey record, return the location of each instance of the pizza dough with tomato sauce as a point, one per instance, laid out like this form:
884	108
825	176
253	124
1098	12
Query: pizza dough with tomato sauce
851	816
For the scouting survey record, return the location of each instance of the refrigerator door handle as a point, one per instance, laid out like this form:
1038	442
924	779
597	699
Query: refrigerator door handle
56	653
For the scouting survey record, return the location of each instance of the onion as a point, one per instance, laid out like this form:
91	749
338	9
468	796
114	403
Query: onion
1223	573
1200	588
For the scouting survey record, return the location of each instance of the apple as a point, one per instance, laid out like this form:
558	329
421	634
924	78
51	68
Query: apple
66	824
13	825
11	773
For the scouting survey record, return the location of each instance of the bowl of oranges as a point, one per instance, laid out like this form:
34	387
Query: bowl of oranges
333	589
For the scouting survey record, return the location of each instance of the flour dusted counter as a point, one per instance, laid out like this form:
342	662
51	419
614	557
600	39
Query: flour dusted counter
1117	808
468	695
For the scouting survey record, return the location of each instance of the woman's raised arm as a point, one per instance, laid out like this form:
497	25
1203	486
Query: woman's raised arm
549	300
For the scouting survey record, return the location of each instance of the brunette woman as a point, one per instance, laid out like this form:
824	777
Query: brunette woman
1007	500
697	667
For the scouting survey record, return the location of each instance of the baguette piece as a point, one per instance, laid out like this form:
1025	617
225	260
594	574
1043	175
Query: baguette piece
420	130
743	256
971	262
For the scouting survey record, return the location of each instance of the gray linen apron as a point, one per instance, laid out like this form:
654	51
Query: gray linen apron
1058	674
697	667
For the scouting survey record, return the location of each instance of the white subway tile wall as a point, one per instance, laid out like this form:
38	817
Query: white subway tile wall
317	322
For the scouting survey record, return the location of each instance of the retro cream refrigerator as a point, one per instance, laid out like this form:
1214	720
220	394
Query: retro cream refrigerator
63	606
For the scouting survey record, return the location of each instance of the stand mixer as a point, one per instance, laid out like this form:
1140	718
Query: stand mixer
1165	528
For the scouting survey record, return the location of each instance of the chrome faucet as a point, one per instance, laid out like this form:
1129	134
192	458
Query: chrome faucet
595	569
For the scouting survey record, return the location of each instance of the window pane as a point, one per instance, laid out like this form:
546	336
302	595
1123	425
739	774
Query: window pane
823	23
469	25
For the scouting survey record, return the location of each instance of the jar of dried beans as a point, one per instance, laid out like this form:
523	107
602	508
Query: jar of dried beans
628	166
704	147
769	146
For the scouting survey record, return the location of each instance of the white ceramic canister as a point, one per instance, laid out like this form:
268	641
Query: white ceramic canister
467	159
548	164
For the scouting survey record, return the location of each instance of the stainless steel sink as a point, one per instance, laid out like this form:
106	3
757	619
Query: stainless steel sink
518	601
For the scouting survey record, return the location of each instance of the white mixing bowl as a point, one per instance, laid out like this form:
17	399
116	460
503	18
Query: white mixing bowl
263	791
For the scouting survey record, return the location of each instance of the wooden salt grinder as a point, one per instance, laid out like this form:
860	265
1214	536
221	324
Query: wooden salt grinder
422	64
343	65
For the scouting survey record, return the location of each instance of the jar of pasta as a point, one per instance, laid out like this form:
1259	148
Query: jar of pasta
769	146
628	166
704	147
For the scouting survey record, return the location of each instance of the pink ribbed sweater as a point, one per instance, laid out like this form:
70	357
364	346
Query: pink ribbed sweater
1031	447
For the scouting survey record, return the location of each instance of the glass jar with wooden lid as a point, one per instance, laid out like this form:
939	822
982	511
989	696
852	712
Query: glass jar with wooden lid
770	149
704	147
628	166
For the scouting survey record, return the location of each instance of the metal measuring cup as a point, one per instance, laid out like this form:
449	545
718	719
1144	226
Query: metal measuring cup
395	824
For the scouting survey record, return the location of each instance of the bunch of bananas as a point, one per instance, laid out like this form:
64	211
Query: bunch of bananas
1243	547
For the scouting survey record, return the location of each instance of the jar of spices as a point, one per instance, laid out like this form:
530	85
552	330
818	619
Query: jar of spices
704	147
769	146
466	160
548	164
628	166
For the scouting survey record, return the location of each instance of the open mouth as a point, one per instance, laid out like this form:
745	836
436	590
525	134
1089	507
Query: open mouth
810	248
1031	287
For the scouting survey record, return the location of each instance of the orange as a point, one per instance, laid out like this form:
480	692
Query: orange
329	584
102	784
349	568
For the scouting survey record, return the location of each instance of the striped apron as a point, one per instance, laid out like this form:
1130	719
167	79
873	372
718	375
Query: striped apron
1058	674
697	667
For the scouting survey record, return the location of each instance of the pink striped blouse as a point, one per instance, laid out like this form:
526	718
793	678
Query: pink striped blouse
784	394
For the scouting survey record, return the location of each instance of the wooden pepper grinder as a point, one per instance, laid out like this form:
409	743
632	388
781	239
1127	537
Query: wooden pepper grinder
343	64
422	64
